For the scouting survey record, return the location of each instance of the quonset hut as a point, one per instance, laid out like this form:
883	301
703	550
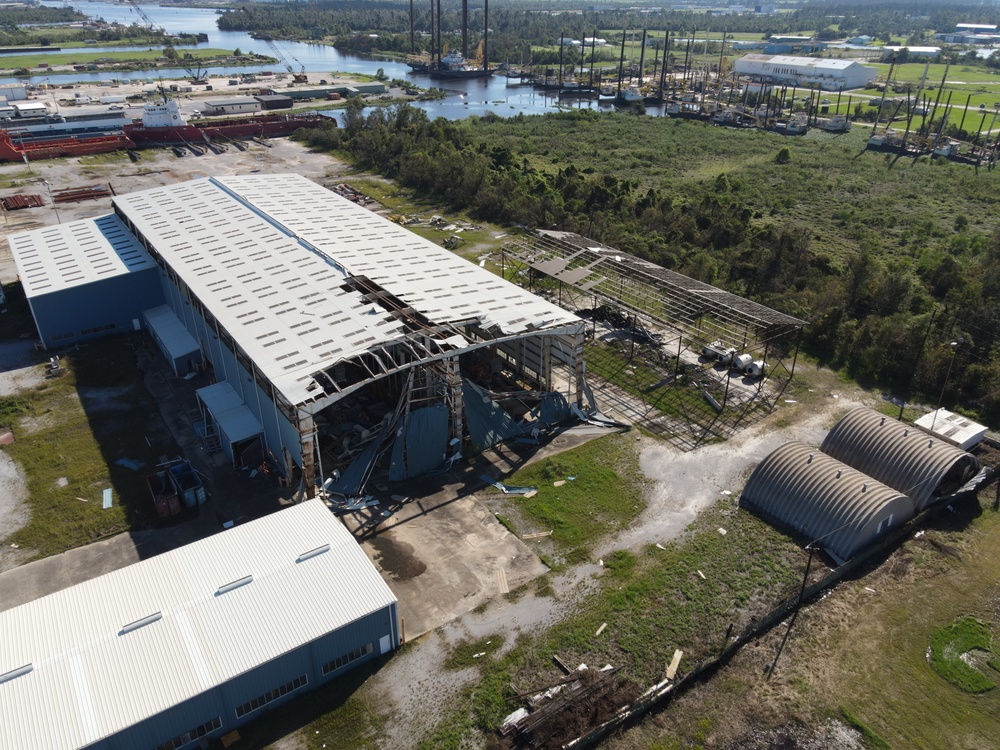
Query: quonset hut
871	473
837	506
183	647
332	332
919	465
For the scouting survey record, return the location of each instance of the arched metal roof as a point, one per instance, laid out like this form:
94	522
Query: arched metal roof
802	488
907	459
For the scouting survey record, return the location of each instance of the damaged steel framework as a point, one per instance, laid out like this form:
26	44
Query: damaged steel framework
690	314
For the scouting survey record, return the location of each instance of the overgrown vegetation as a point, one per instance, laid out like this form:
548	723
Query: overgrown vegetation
600	491
874	255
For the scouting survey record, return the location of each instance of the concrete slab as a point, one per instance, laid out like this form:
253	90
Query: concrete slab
443	556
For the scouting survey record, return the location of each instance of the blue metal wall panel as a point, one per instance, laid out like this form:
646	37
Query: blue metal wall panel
62	317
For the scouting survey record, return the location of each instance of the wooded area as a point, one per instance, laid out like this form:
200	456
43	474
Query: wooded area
889	262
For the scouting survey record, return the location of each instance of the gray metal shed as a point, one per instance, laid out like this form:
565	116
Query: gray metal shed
905	458
802	488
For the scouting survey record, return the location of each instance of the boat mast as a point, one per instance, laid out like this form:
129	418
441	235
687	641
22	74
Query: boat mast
465	28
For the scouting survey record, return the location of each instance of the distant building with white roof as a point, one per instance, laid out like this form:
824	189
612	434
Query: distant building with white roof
829	74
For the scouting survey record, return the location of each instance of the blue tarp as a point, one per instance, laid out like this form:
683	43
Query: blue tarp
421	442
487	423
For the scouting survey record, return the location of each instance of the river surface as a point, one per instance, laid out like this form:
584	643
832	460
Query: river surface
465	97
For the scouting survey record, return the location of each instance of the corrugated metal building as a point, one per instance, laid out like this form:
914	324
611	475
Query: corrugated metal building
85	279
825	500
194	642
275	101
234	106
829	74
903	457
315	311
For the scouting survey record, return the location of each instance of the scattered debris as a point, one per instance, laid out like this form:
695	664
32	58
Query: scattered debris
559	483
561	664
919	534
601	629
702	576
726	492
790	401
75	195
723	531
869	588
537	535
660	546
107	498
83	500
674	664
130	463
507	490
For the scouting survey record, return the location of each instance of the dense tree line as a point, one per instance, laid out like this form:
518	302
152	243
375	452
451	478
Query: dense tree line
869	311
514	29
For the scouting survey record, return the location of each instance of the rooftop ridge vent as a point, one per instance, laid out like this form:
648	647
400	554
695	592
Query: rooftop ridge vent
141	623
227	587
313	553
14	673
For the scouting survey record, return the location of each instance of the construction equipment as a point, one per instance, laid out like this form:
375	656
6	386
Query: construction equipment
149	21
299	77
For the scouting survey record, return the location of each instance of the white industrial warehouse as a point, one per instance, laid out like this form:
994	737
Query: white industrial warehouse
815	72
333	333
189	644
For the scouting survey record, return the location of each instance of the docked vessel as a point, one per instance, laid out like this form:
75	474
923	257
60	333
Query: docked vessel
454	65
164	125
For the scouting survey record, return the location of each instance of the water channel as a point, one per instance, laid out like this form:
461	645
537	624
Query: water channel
465	97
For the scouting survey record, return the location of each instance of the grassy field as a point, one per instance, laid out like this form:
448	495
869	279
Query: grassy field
70	431
150	56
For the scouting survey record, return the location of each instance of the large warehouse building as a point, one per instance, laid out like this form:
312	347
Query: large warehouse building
189	644
872	473
828	74
332	332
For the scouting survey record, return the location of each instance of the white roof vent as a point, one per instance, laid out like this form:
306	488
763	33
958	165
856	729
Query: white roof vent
313	553
141	623
227	587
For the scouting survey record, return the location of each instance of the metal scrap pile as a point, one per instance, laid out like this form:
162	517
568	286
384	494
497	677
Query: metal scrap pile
16	202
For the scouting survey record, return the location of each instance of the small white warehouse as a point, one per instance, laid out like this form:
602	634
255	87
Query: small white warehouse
189	644
237	106
816	72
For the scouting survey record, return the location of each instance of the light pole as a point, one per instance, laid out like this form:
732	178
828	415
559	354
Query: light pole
49	188
954	350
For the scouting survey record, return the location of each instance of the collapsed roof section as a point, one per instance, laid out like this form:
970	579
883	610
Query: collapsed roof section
703	311
320	294
906	458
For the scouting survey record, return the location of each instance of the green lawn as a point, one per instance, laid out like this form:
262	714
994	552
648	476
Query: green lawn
13	62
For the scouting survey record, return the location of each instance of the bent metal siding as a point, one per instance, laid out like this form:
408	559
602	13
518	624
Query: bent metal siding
824	499
905	458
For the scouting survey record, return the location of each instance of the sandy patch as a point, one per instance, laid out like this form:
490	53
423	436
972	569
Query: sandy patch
21	367
13	511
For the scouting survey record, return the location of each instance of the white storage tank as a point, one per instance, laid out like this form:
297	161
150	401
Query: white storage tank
755	369
715	350
742	362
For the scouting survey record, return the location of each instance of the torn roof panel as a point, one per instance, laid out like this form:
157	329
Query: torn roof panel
269	256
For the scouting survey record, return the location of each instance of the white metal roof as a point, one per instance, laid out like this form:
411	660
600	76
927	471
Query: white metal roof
69	255
102	677
268	256
954	428
820	63
171	331
230	412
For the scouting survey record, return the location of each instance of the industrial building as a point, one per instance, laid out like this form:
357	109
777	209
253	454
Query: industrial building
826	501
185	646
900	455
240	105
815	72
337	332
871	473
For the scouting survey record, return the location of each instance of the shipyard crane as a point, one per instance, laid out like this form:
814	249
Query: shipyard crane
145	17
299	77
